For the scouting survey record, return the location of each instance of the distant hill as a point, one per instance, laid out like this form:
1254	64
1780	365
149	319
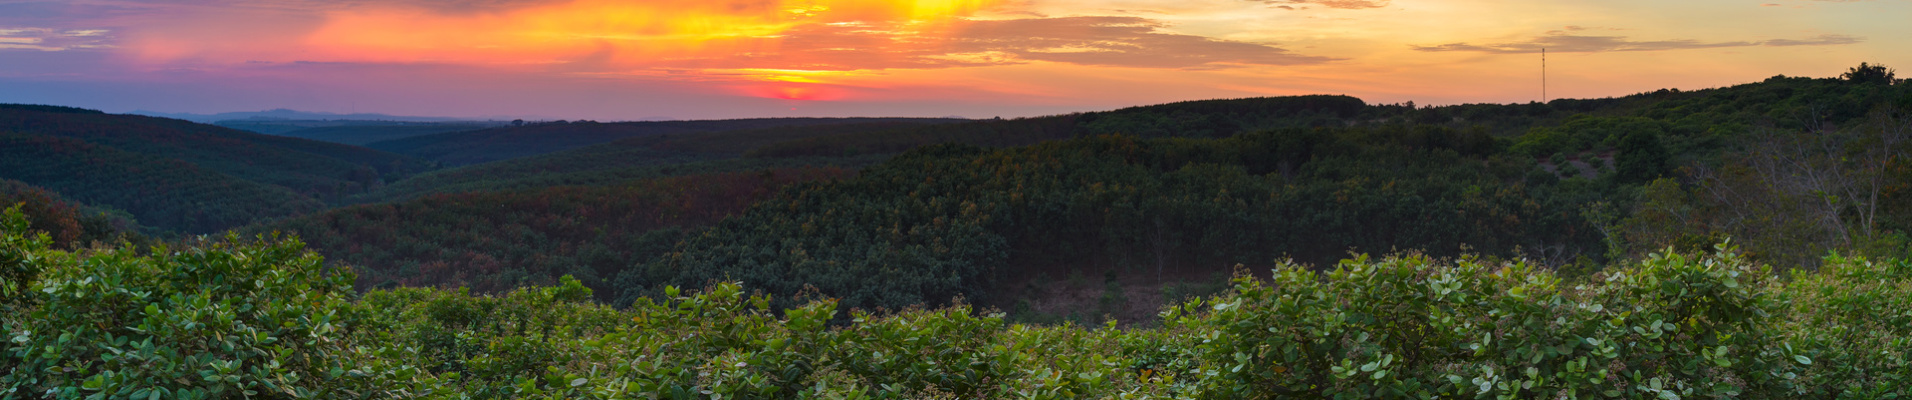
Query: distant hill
1203	118
159	191
286	114
998	133
472	147
360	135
287	127
181	175
648	153
643	157
494	241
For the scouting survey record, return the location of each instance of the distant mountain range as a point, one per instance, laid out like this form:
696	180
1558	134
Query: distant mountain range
288	114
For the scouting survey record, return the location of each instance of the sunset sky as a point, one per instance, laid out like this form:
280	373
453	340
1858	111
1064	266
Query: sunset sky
624	60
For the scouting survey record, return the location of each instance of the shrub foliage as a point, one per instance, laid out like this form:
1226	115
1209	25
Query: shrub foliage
237	318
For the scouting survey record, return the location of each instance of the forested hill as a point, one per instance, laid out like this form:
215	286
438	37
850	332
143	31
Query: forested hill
1700	116
183	176
70	224
362	134
1575	184
992	210
630	159
162	192
956	220
496	241
472	147
858	143
1202	118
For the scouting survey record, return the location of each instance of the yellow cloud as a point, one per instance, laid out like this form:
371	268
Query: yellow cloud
626	32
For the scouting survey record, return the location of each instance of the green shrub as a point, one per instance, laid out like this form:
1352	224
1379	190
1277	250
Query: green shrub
222	319
236	319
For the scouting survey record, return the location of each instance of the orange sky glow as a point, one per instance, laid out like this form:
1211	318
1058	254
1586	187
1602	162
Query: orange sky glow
616	60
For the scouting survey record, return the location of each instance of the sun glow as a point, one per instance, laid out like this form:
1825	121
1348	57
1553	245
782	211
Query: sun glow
695	58
790	92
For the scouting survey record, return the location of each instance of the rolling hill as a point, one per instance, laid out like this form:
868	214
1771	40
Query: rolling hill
71	224
473	147
651	156
498	240
360	135
184	176
1571	183
163	192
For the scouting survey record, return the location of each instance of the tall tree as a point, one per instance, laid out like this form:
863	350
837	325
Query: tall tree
1641	158
1872	74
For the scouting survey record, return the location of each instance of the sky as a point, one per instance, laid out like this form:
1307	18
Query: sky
694	59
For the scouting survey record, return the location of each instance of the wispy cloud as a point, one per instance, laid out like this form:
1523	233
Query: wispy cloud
1342	4
51	39
1821	40
1095	41
1561	42
1115	41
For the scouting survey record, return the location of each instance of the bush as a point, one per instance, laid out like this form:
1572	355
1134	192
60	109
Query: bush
219	319
231	319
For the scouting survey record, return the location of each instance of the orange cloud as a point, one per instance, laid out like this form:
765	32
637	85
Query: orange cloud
793	92
608	32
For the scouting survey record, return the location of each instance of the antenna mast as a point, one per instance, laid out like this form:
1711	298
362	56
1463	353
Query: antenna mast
1543	74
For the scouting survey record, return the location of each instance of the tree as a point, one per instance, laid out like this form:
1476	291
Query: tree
1868	73
1792	195
1641	158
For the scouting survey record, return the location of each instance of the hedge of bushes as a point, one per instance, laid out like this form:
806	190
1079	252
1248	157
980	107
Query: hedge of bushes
264	318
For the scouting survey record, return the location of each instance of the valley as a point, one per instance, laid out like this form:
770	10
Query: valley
517	255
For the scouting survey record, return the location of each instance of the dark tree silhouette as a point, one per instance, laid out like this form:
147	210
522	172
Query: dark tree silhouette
1868	73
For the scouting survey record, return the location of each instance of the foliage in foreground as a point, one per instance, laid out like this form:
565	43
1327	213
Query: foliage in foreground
234	319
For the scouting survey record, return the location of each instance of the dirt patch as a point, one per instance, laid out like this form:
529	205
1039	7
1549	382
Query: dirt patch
1131	299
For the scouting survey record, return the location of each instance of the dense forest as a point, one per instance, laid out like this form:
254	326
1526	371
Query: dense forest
496	241
305	166
649	156
181	176
1582	185
68	224
1739	242
159	191
472	147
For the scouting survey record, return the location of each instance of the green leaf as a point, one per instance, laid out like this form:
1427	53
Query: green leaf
1802	359
579	382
